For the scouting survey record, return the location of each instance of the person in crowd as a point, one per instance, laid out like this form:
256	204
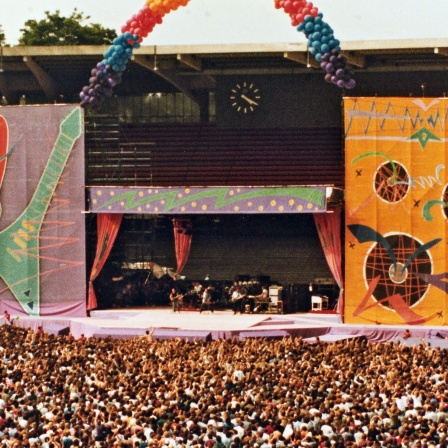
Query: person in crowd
7	317
176	300
289	392
237	299
406	334
262	300
207	300
197	294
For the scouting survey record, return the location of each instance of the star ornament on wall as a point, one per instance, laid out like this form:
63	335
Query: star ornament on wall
424	136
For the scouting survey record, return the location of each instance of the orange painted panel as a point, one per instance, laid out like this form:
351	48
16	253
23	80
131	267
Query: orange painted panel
396	210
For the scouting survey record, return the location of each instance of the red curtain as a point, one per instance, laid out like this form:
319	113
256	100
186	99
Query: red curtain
329	230
182	241
107	229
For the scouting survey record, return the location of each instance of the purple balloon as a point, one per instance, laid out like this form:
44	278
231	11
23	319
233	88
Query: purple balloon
340	73
350	84
330	68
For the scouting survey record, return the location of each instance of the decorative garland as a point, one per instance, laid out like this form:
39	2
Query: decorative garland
321	41
304	15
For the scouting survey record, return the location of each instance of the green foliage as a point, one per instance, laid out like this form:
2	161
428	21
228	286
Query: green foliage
2	36
58	30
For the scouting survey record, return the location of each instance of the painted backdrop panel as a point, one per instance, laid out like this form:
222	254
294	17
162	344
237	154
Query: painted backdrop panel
42	231
396	210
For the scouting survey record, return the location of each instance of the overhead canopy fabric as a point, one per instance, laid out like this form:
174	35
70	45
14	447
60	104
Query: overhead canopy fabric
208	200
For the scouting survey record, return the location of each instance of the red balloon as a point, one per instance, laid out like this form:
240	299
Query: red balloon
300	18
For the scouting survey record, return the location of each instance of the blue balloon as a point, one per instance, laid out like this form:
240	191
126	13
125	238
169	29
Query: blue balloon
309	26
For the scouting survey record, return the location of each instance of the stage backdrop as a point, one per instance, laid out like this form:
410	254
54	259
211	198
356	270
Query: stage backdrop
42	257
396	210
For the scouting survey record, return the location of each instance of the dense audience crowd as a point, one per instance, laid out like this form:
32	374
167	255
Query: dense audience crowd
58	391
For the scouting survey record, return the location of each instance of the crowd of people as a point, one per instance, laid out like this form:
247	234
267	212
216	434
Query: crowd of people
58	391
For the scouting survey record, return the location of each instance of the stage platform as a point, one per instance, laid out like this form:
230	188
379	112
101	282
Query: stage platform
223	324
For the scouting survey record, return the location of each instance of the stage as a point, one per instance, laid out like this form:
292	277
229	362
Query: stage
223	324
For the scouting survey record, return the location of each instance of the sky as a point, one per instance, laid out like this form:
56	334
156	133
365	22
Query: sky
246	21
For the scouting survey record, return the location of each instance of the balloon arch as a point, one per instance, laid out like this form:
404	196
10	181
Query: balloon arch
304	15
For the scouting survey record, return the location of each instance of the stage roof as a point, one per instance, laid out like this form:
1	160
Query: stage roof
57	74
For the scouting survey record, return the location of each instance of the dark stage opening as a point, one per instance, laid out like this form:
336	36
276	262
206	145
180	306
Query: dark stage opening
279	250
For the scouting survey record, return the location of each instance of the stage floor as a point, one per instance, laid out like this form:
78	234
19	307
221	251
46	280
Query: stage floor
223	324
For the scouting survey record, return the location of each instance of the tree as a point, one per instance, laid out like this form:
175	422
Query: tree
2	36
58	30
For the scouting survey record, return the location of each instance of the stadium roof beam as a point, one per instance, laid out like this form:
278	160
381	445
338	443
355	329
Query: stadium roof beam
442	51
356	59
43	78
171	76
190	61
301	58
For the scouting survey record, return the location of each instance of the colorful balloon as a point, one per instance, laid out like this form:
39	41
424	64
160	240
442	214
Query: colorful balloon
108	72
304	15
